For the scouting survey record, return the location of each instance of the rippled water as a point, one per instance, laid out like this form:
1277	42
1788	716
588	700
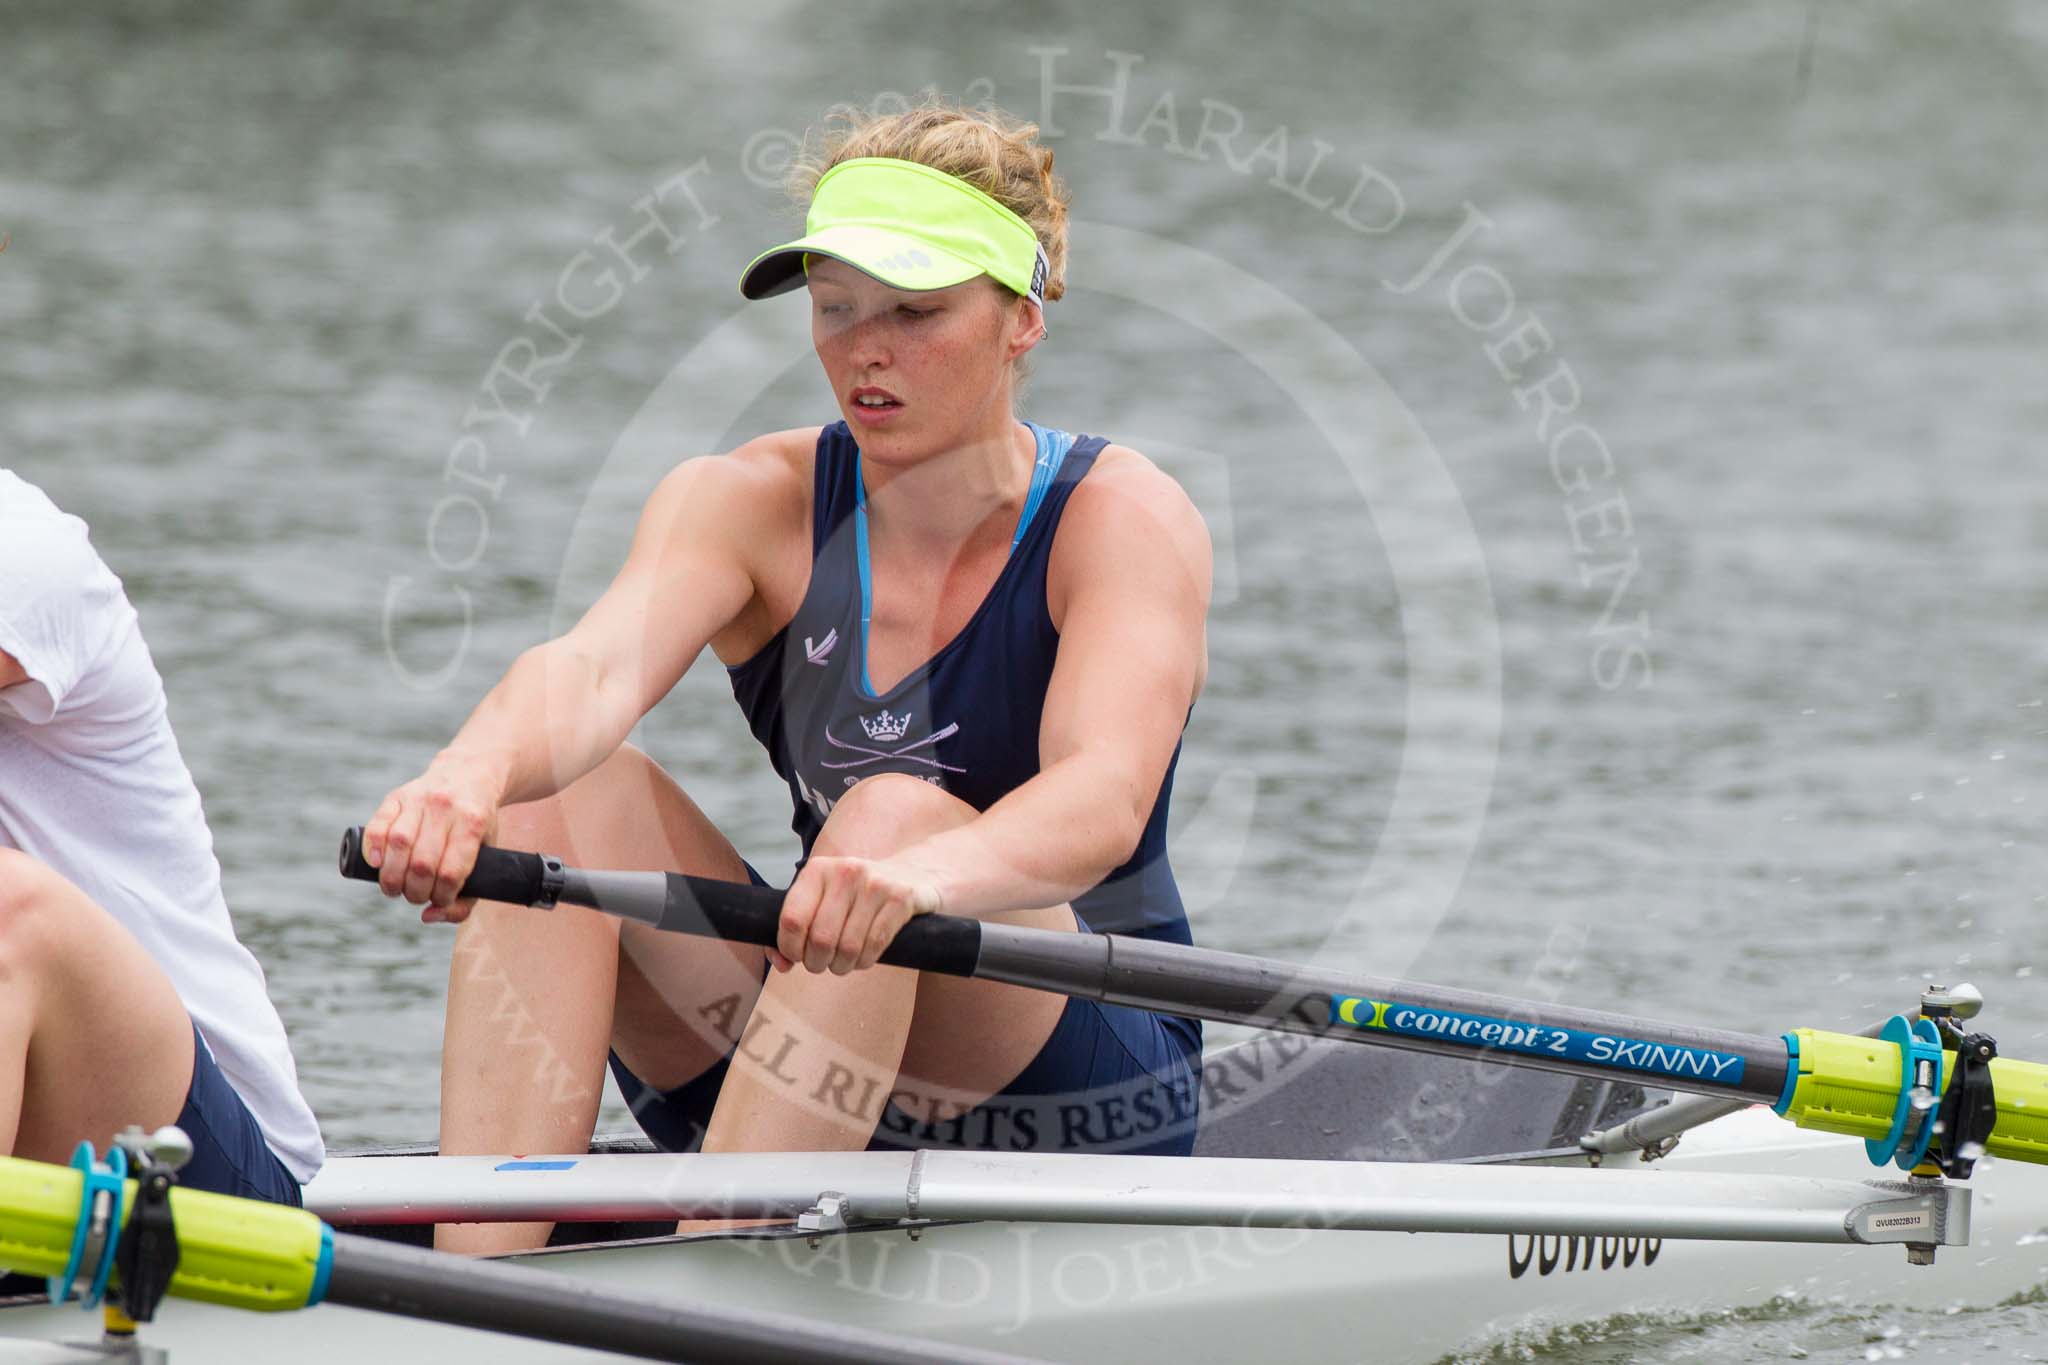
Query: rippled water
263	257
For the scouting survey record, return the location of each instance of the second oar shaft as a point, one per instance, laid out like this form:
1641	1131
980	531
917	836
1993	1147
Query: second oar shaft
518	1301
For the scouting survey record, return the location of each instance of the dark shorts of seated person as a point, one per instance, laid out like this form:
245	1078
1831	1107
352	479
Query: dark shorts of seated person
1109	1079
229	1154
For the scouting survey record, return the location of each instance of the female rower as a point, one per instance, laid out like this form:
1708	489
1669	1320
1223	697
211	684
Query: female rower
969	645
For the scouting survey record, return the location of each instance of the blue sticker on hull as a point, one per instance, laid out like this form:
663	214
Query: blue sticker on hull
533	1166
1482	1033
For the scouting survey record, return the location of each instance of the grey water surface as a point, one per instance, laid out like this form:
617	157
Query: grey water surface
1728	706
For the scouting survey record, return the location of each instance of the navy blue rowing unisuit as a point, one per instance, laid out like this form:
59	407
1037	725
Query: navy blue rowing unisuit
967	720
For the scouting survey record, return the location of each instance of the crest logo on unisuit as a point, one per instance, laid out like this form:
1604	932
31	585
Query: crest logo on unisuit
886	732
884	728
887	744
883	747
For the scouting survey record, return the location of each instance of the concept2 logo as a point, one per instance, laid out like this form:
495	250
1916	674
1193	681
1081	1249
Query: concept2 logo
1480	1032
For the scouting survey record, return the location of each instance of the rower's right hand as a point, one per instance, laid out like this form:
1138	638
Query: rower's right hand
424	838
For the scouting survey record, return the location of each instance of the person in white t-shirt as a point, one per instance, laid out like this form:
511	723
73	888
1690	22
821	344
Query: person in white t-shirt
124	994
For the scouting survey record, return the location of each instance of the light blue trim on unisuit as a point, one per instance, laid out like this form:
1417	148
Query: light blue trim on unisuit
860	557
1052	453
323	1269
1053	446
534	1166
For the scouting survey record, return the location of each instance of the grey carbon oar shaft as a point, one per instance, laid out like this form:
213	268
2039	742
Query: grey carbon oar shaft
1174	978
516	1301
1235	988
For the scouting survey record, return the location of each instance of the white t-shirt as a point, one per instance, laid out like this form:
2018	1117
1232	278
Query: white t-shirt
93	785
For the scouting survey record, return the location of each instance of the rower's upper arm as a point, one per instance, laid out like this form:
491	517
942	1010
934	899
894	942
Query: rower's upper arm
1130	593
60	608
688	574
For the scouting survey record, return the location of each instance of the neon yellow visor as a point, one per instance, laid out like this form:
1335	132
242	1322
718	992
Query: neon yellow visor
909	226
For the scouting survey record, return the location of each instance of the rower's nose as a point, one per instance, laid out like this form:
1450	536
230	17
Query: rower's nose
867	344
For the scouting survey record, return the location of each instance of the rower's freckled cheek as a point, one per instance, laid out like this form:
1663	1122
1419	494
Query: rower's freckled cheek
931	357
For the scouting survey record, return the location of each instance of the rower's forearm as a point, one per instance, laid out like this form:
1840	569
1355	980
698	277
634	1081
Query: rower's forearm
1048	841
550	720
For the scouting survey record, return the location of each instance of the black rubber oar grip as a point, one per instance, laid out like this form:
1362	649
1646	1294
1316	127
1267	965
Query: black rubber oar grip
947	944
743	913
500	873
737	912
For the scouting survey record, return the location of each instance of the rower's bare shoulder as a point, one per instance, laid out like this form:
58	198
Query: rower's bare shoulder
1127	523
781	459
753	488
1125	484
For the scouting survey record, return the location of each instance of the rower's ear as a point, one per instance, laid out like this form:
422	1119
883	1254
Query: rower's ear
1030	329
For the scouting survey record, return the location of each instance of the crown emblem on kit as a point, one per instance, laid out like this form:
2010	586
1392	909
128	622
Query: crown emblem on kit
885	727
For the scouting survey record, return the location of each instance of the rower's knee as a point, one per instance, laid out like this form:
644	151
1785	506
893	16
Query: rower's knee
879	815
30	893
589	803
861	1010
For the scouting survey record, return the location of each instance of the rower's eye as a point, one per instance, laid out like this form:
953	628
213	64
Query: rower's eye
907	311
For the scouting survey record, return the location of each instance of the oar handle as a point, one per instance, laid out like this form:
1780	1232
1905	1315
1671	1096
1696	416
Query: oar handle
501	874
705	906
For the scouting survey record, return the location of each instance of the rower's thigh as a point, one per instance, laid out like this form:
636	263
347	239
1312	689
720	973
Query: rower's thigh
108	1041
674	993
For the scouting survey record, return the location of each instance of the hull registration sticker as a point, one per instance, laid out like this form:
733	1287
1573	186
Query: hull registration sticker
1482	1033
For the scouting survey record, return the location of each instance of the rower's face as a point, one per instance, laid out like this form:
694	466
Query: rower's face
943	355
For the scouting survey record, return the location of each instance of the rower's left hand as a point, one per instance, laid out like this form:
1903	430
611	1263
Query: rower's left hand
840	913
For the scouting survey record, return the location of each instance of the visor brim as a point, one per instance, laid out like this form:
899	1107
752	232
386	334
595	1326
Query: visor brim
895	258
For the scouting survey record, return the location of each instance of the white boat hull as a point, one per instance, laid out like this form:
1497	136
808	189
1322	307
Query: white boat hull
1082	1292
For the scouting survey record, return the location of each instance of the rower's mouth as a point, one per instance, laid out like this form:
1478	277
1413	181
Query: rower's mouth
871	398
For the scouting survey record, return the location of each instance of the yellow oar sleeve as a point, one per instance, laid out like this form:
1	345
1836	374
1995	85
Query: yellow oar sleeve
1848	1084
238	1252
2022	1130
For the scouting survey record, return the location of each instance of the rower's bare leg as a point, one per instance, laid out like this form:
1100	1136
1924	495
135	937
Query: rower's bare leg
535	996
93	1036
822	1053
